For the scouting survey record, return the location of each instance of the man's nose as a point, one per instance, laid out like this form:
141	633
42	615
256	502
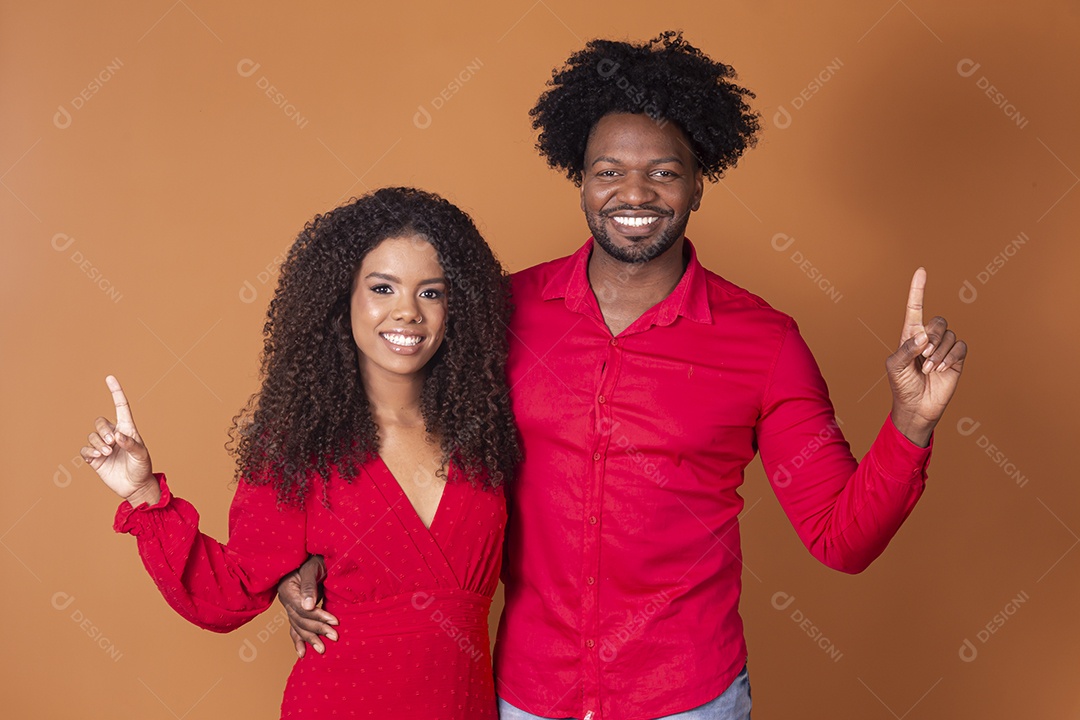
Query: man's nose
636	189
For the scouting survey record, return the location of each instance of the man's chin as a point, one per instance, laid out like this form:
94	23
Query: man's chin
634	250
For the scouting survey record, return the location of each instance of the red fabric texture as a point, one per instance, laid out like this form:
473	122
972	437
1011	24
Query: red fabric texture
413	603
623	554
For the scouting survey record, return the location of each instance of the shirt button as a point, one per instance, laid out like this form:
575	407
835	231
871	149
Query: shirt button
592	519
590	643
596	456
614	341
590	580
601	399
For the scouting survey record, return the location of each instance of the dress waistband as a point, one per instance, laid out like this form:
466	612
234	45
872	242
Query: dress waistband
422	610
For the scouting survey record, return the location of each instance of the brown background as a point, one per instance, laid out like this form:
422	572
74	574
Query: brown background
143	221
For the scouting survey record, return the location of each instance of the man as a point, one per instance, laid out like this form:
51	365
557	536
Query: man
643	385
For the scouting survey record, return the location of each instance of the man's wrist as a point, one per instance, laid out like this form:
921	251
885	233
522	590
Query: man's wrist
915	428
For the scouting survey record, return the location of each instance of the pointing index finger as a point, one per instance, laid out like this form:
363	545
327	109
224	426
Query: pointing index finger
913	318
124	422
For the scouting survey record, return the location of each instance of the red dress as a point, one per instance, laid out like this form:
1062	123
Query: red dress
412	602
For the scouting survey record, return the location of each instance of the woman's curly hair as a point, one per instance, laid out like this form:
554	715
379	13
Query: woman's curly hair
667	79
312	413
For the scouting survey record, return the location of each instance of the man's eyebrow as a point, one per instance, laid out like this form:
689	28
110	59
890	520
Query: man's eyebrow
657	161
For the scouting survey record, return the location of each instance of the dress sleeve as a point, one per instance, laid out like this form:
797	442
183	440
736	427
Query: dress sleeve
218	586
845	512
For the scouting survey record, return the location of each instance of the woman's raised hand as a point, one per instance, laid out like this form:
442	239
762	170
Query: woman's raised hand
116	451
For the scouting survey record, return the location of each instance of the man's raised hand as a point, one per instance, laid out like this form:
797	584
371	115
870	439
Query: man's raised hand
924	370
116	451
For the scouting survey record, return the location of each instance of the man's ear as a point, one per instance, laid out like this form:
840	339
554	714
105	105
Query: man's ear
699	189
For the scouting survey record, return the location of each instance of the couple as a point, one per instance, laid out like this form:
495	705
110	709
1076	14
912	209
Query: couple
642	385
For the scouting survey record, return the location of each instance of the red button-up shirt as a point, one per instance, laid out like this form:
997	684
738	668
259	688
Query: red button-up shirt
624	564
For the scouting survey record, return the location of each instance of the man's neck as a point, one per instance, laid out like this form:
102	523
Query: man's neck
625	291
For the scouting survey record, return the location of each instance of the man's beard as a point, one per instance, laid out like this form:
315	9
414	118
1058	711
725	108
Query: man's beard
641	251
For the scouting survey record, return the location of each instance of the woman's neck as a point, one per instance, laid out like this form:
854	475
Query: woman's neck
394	400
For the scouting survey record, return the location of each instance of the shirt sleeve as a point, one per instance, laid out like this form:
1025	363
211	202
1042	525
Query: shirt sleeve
845	512
217	586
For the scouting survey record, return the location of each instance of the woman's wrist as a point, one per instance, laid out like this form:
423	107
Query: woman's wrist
149	493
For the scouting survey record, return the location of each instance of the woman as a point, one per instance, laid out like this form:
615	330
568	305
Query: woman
380	439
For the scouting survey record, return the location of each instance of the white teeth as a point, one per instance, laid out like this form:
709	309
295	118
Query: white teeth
403	340
634	221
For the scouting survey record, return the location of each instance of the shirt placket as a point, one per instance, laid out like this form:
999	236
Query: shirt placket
600	442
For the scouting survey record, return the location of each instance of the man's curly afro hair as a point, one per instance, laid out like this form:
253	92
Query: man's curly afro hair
667	79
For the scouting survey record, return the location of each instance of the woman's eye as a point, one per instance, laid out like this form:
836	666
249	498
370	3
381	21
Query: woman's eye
382	289
431	294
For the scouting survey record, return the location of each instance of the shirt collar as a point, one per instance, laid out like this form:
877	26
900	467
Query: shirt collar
689	299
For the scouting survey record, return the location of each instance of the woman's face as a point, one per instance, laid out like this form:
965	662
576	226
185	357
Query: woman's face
398	308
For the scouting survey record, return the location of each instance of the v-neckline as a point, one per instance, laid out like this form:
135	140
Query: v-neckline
405	497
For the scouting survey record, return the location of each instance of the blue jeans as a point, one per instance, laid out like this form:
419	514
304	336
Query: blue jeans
733	704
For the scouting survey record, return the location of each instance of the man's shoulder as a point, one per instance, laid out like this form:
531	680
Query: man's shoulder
529	282
727	297
541	270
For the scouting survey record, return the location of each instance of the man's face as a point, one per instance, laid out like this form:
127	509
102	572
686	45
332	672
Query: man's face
639	186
